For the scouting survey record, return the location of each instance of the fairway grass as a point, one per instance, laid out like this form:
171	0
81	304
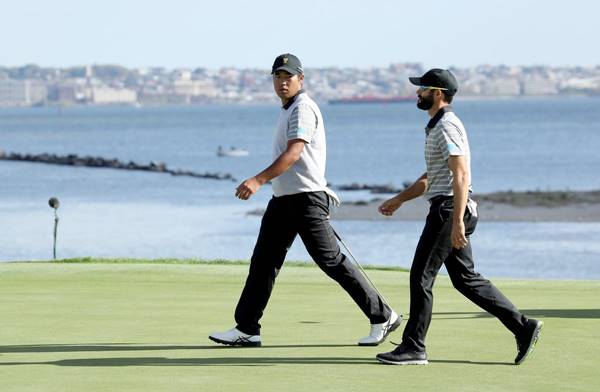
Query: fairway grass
133	326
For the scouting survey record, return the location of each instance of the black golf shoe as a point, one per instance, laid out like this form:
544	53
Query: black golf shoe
402	356
527	341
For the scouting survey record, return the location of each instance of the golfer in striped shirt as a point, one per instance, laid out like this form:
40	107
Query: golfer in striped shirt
446	237
299	207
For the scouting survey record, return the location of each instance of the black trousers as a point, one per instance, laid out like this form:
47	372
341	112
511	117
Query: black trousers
433	250
306	214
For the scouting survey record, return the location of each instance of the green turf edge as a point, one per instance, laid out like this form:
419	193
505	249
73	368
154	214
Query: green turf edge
117	260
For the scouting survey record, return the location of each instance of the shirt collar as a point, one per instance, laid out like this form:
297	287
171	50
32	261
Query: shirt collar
291	101
440	113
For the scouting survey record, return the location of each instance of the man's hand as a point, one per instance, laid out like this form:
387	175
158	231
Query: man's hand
247	188
389	206
459	240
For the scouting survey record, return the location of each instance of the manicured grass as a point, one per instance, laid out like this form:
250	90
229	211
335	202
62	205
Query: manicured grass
132	326
90	260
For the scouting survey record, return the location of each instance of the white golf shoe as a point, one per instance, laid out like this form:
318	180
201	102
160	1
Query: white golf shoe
235	337
380	331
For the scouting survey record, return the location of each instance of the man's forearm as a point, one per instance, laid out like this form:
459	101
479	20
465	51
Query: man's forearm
460	188
280	166
415	190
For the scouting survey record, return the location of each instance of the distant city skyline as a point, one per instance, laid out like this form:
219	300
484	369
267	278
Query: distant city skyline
349	33
110	84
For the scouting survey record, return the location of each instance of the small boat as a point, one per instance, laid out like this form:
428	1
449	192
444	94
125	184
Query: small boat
232	152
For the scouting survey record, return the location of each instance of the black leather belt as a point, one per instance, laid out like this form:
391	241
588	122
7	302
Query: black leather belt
440	199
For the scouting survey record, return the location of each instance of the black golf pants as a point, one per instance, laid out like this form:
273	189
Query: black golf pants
433	250
306	214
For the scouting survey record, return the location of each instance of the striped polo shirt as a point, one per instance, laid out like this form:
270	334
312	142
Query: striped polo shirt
445	136
301	119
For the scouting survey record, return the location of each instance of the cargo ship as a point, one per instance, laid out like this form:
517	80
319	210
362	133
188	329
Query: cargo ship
372	99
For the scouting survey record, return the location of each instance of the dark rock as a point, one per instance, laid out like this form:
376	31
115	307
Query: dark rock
89	161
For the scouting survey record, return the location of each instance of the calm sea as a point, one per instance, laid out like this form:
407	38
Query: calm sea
518	144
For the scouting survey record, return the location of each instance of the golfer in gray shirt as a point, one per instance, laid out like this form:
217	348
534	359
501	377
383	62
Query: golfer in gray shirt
300	206
446	237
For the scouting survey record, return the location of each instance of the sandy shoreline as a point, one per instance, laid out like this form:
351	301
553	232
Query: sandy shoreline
532	206
488	211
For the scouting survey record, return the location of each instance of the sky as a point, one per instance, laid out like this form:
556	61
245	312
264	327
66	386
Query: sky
249	34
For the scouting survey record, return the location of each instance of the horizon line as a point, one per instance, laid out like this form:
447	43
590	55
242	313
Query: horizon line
104	64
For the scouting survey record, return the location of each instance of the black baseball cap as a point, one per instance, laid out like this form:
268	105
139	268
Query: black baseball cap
289	63
437	77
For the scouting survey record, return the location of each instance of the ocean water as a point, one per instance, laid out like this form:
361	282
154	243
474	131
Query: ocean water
519	144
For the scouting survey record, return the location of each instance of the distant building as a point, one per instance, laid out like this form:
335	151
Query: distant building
22	92
188	87
501	86
471	85
107	95
480	85
538	85
148	97
64	93
580	85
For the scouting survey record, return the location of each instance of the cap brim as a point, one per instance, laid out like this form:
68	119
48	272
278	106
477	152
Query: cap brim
287	68
416	80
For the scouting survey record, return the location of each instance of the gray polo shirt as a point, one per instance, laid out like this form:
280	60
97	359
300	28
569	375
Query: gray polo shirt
445	136
301	119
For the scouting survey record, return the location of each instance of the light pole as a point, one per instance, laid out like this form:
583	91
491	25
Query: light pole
54	203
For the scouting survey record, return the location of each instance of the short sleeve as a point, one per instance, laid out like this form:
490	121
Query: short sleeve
451	141
302	123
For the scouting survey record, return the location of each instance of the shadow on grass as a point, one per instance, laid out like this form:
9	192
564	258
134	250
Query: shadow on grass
465	362
541	313
59	348
227	361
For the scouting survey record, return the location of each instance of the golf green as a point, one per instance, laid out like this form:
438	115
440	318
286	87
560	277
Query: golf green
111	326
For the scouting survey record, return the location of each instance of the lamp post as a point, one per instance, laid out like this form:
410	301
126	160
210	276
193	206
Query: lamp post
54	203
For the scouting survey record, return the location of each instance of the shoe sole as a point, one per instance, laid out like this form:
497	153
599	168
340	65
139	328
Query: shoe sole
409	362
392	328
235	344
534	339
